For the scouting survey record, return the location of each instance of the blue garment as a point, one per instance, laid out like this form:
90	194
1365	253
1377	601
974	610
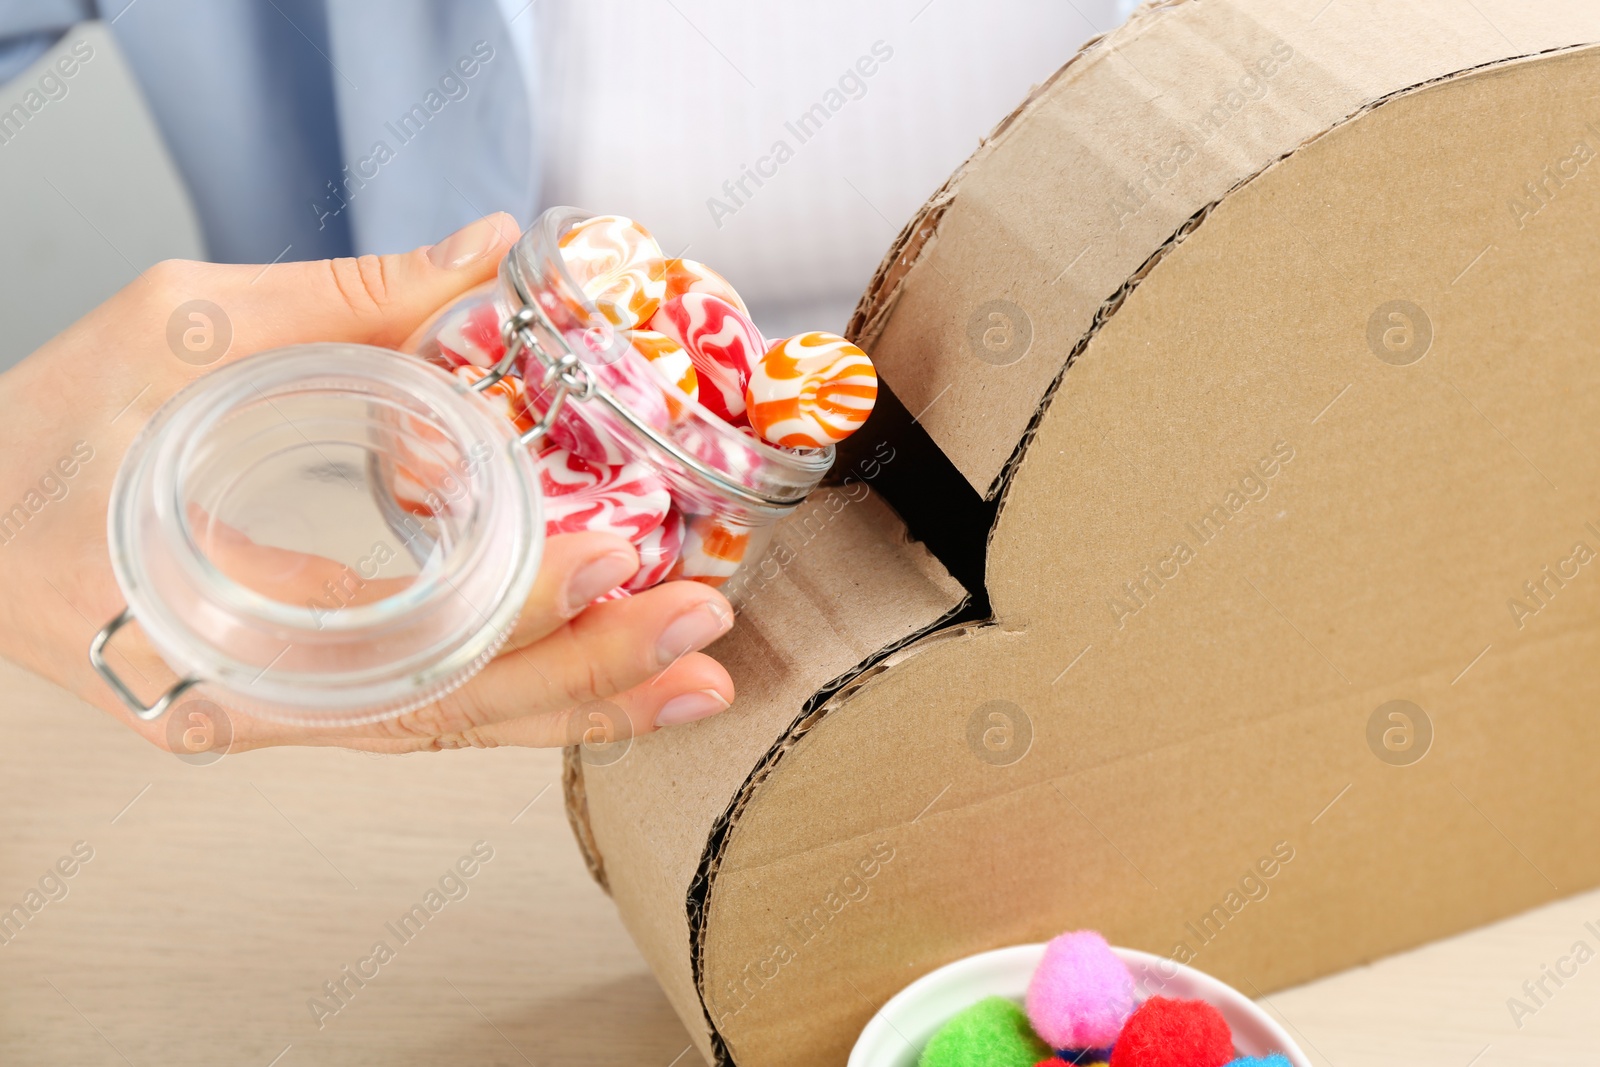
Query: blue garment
306	129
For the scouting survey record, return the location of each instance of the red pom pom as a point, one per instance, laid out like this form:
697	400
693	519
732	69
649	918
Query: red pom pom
1174	1033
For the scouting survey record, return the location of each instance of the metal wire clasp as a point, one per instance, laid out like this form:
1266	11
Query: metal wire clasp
97	659
564	375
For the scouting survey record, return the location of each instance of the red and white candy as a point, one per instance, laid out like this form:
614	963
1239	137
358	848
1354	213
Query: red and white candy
618	265
628	500
723	344
470	336
658	553
810	391
426	472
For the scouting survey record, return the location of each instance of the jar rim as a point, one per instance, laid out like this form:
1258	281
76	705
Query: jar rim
354	663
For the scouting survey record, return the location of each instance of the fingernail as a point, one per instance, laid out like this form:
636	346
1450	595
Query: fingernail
470	242
690	706
597	578
691	631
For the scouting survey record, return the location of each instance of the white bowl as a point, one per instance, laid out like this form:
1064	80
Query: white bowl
897	1033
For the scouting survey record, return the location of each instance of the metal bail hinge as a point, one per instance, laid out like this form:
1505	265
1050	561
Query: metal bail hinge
516	336
564	376
97	660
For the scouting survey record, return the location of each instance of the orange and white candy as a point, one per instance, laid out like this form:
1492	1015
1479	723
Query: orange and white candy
692	276
618	265
421	471
712	550
670	360
508	395
810	391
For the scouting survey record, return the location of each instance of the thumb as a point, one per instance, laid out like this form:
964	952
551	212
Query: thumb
378	300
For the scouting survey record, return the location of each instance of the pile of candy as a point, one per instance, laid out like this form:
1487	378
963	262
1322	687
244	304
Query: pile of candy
1082	1009
703	354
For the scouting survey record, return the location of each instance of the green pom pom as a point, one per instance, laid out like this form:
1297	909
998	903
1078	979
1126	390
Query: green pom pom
992	1033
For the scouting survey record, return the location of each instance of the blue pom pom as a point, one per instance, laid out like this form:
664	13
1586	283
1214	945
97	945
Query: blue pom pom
1274	1060
1092	1055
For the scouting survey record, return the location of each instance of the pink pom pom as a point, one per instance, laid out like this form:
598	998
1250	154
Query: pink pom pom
1081	993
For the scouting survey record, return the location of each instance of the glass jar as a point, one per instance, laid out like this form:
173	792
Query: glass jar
257	538
603	401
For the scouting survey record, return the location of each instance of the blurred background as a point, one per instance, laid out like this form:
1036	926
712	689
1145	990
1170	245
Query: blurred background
295	129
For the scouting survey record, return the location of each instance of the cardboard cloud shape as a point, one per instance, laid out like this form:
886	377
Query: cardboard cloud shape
1218	572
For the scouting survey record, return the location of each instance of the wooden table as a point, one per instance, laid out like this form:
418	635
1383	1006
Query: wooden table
220	898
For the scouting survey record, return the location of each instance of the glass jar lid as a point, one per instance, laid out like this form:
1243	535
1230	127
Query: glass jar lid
324	534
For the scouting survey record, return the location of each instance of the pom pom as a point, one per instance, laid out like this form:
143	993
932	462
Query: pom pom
1274	1060
1081	993
1174	1033
992	1033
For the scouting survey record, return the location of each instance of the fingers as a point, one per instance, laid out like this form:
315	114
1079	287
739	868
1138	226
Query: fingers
575	570
564	689
695	687
282	574
606	650
572	670
378	300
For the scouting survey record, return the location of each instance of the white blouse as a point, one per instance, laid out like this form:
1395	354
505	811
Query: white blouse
783	144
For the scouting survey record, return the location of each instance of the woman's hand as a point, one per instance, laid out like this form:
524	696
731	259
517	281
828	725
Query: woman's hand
73	406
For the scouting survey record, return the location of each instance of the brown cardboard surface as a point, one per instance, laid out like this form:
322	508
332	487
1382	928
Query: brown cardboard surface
1222	712
651	812
1068	199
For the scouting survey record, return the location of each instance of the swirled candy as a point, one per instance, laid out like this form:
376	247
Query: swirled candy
618	265
658	553
579	496
507	395
470	336
810	391
420	466
723	344
670	360
713	548
692	276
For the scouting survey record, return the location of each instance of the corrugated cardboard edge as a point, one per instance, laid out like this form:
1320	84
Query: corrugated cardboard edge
577	805
931	345
877	302
648	815
1003	482
824	701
